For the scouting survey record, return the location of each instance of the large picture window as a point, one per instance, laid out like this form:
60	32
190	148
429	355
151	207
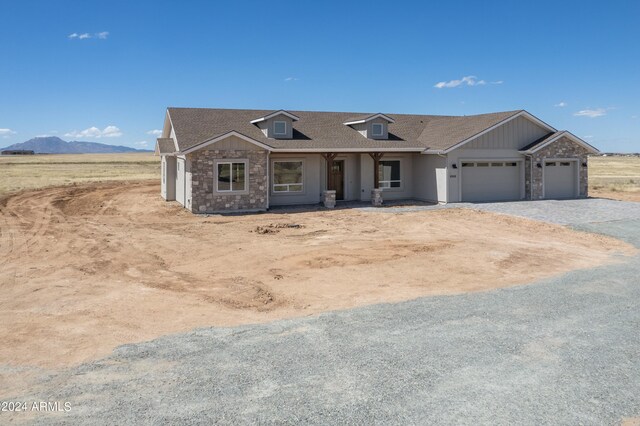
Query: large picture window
389	174
231	176
288	176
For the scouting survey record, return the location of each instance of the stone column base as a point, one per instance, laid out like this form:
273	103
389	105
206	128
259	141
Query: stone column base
376	197
329	199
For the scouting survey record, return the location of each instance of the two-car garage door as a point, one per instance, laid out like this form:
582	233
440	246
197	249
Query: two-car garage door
491	180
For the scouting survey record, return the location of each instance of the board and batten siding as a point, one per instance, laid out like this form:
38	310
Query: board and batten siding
515	134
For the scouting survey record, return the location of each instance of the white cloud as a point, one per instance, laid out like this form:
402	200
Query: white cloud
291	79
562	104
155	132
101	35
591	113
7	132
95	133
470	80
587	137
142	143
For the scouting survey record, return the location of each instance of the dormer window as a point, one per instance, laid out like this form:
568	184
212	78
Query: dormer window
279	128
276	124
372	126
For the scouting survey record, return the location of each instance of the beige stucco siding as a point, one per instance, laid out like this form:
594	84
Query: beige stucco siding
180	180
430	178
312	169
406	176
168	181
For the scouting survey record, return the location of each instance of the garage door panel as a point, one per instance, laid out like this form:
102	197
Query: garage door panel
560	179
491	180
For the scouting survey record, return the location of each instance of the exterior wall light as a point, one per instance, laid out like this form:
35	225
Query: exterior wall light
454	166
539	165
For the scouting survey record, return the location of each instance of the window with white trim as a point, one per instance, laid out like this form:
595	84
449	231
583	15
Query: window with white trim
389	174
230	176
288	176
279	127
377	129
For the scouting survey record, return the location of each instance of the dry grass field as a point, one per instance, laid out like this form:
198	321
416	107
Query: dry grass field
19	172
615	177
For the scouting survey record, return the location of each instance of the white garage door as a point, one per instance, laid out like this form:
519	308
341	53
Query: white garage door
491	180
180	183
560	179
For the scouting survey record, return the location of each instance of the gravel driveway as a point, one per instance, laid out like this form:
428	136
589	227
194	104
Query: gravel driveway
562	351
563	212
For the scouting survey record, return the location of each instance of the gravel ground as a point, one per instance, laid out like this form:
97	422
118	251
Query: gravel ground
563	212
562	351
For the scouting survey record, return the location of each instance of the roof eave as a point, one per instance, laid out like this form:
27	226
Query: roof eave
221	137
275	114
371	117
565	133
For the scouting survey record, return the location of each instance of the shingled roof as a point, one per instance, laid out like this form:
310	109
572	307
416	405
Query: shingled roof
326	131
165	146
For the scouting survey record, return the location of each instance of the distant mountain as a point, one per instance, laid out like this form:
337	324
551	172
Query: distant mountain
55	145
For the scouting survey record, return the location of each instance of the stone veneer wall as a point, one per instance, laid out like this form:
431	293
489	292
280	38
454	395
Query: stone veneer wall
562	148
205	200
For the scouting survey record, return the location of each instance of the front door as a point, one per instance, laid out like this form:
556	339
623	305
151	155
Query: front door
337	170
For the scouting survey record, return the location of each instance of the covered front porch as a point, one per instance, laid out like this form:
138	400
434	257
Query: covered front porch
335	177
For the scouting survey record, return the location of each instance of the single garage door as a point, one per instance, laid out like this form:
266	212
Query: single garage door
491	180
560	179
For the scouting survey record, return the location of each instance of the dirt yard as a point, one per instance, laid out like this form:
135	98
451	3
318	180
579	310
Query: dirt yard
84	269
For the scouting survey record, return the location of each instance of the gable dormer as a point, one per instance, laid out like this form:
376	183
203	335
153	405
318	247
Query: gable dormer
277	124
374	126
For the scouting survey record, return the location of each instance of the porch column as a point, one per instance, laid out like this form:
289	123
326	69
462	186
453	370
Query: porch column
376	193
329	195
329	157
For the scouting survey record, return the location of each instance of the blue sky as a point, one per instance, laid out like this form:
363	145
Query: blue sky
575	65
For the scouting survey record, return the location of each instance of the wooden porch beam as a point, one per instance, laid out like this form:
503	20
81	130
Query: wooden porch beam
329	157
376	156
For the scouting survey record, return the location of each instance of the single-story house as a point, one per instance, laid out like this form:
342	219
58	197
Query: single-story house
217	160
